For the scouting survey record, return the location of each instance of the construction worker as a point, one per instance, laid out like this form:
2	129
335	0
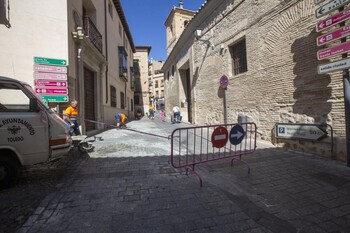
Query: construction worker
121	119
71	118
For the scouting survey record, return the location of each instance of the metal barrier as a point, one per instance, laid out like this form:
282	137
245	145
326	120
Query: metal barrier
195	145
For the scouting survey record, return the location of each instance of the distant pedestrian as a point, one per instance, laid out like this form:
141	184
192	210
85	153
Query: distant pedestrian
151	111
71	118
176	114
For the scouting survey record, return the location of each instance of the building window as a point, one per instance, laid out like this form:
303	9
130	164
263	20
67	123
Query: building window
157	94
110	9
162	93
173	71
185	23
5	13
168	75
113	92
162	83
122	101
123	62
137	99
239	57
156	84
132	105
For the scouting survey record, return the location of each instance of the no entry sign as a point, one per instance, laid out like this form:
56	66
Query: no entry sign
219	137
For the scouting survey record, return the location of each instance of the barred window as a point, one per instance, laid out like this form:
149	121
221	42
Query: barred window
239	57
113	92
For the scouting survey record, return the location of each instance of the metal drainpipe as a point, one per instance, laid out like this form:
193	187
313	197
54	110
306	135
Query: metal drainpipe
106	33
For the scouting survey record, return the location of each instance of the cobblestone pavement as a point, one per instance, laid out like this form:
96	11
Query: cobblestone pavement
127	185
18	202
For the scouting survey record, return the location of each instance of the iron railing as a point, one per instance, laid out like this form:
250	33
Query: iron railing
92	32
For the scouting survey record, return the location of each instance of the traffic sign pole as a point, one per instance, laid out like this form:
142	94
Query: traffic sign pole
346	89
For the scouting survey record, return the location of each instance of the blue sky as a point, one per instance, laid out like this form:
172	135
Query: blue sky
146	21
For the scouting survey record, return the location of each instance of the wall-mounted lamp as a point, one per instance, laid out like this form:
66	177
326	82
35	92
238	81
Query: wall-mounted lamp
79	34
198	35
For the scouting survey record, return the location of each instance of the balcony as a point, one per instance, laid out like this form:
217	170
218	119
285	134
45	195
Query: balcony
92	32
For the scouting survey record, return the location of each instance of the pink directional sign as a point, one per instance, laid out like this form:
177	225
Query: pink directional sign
51	91
51	76
334	19
50	69
47	83
337	34
336	50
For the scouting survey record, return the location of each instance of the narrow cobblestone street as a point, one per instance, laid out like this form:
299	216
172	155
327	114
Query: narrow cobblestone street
127	185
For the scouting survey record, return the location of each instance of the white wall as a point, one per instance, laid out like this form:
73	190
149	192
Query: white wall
38	28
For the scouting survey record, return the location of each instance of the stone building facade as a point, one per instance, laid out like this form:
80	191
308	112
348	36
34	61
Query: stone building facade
276	80
142	94
91	36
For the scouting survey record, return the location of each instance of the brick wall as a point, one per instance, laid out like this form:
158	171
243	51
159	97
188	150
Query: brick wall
281	84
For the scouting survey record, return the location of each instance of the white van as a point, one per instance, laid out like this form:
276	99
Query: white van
30	132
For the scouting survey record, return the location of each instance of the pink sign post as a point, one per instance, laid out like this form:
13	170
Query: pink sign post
51	91
337	34
331	52
334	19
50	76
51	69
47	83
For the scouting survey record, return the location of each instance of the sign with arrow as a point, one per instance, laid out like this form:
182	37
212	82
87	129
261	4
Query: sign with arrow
54	98
48	83
300	131
236	135
334	19
331	6
337	34
51	69
50	61
51	91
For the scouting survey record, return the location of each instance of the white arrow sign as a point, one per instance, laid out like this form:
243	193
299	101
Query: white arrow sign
300	131
237	135
331	6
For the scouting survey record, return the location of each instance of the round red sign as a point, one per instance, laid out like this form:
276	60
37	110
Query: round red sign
219	137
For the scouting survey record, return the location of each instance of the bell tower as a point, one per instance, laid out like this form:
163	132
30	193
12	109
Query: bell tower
176	23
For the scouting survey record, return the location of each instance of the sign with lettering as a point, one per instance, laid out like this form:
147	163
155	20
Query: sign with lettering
48	83
51	91
331	52
331	6
337	34
50	61
51	76
334	66
54	98
332	20
300	131
51	69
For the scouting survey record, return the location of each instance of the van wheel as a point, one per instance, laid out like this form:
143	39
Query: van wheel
9	172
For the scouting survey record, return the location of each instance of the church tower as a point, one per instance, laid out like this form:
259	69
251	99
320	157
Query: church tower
175	24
